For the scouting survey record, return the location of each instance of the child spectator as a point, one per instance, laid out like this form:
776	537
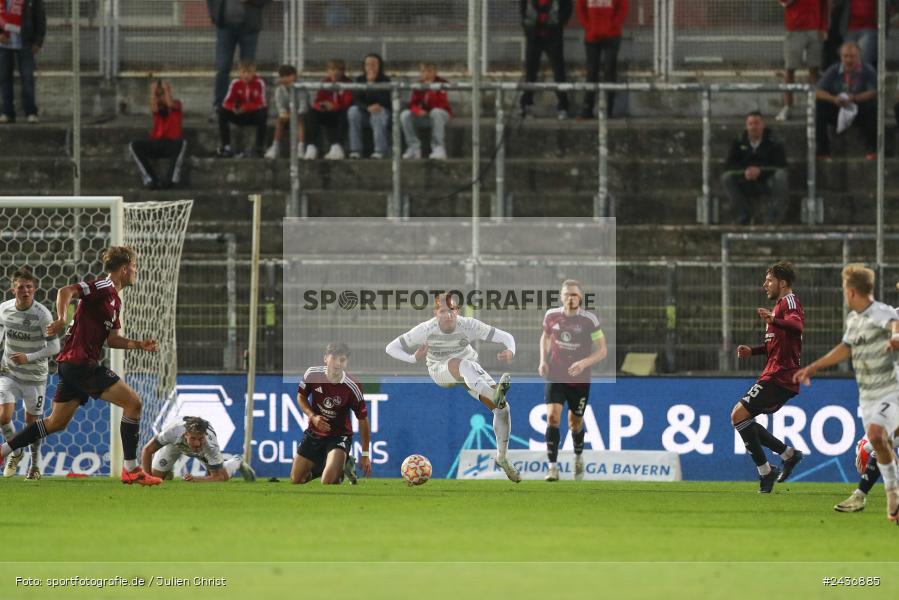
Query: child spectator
427	108
287	76
370	109
166	140
244	105
329	111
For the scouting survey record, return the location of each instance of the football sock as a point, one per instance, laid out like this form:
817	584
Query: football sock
8	431
552	443
788	453
232	465
36	454
502	427
869	477
129	430
579	440
749	433
476	378
32	433
890	474
769	441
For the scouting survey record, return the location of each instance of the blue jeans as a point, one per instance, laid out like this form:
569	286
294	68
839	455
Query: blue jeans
227	39
25	60
379	122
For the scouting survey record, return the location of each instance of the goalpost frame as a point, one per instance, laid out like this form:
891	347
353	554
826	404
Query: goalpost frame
115	204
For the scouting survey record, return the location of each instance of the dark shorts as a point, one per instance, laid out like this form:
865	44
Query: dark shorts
576	396
765	397
80	382
317	449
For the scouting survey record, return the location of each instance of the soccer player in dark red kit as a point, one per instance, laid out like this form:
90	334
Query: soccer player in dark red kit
775	386
571	343
326	396
97	320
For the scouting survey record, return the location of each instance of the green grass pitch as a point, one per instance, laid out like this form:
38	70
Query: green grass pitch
446	539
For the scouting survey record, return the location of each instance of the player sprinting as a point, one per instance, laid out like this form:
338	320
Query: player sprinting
445	341
193	437
23	373
326	396
571	343
775	386
97	320
871	339
870	473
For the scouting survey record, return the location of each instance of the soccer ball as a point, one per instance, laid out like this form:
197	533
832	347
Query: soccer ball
416	469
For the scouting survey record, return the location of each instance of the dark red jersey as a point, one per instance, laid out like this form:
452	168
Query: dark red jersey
783	343
333	401
571	340
98	313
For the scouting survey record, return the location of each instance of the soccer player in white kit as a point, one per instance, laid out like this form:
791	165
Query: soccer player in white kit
193	437
445	342
23	371
871	340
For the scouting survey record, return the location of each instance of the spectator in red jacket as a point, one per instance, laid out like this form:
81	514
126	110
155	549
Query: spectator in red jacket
602	21
166	140
806	22
329	110
244	105
427	108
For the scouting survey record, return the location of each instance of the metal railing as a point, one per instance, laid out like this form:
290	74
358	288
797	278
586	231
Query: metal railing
603	207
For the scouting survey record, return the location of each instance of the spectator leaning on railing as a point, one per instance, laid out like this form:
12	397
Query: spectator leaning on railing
427	108
237	23
544	32
847	95
756	166
23	25
370	109
602	21
806	22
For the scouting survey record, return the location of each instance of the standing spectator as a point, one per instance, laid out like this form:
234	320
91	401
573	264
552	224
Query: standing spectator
244	105
806	22
850	88
427	108
856	21
287	76
238	23
329	110
756	166
166	140
602	21
24	25
370	109
544	24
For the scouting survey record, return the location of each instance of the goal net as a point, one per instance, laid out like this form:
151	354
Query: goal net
61	239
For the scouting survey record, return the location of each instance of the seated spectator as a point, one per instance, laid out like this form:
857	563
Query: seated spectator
848	87
329	111
244	105
24	25
756	166
166	140
370	109
427	108
287	76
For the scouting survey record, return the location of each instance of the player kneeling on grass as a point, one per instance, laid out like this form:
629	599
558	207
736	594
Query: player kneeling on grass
326	396
446	342
97	322
196	438
870	473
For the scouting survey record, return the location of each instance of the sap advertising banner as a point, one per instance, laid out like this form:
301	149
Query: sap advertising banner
690	417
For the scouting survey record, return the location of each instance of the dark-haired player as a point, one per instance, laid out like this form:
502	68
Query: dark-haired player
775	386
97	321
326	395
193	437
23	372
571	343
446	343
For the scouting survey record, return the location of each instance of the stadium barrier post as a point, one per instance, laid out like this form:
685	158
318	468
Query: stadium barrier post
657	39
485	16
499	203
115	38
395	201
669	39
256	200
671	317
881	126
601	207
811	201
301	35
476	113
116	356
726	334
293	206
704	211
76	97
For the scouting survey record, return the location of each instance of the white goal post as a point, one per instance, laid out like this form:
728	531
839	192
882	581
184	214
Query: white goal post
61	239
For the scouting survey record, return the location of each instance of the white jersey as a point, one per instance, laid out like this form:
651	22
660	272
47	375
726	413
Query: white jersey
867	334
444	346
210	454
24	331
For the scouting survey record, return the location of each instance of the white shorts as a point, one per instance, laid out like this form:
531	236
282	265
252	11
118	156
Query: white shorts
441	375
32	394
883	412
